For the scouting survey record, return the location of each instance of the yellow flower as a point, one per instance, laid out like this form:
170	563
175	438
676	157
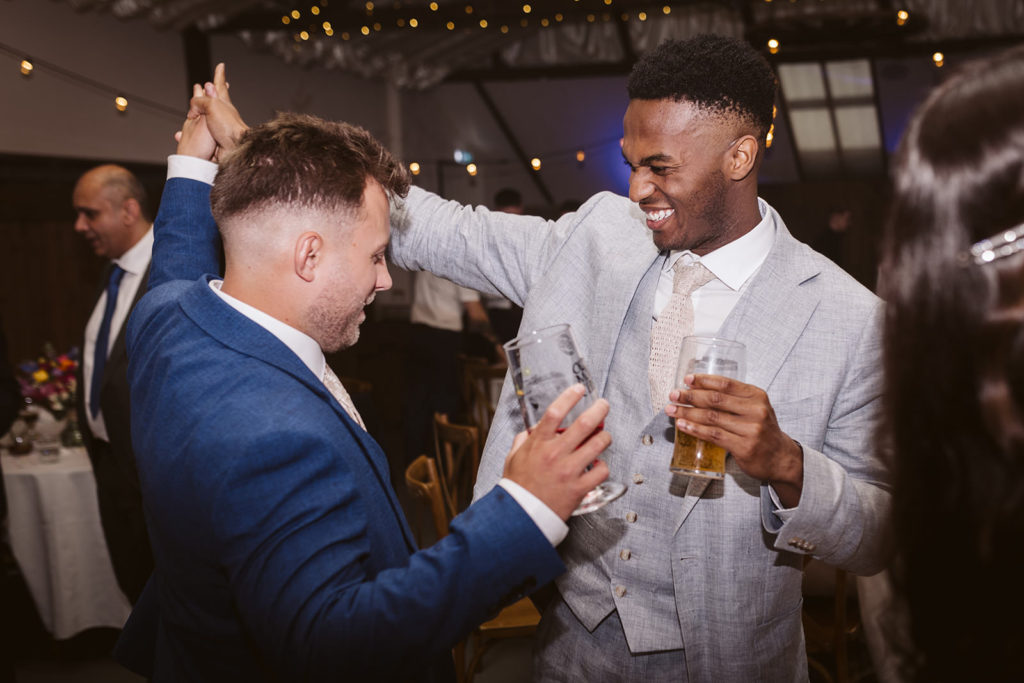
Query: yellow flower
40	376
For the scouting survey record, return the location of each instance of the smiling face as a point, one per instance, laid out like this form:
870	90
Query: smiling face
685	175
355	270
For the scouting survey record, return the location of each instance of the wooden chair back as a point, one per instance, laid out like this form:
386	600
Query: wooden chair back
457	448
424	484
478	380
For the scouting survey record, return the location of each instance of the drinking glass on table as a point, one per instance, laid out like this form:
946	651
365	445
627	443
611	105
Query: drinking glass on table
704	356
544	363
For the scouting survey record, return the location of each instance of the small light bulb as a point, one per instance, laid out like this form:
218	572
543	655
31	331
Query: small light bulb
414	23
471	169
450	26
26	67
666	10
295	14
939	59
121	103
642	16
286	20
314	10
483	23
902	16
535	162
527	9
580	156
433	7
414	168
304	35
365	30
773	45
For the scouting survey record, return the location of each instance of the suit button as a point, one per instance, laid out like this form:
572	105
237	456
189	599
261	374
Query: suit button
638	478
647	439
630	516
620	591
796	542
624	554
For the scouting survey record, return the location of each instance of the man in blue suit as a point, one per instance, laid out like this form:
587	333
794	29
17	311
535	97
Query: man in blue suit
281	550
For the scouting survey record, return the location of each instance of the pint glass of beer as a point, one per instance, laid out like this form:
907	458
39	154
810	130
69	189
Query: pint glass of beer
705	356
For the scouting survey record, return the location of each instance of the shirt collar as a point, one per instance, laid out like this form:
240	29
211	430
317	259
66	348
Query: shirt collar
301	344
736	261
137	257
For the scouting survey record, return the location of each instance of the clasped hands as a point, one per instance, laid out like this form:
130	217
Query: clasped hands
212	125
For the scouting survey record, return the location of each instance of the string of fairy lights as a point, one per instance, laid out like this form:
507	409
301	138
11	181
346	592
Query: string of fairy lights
122	98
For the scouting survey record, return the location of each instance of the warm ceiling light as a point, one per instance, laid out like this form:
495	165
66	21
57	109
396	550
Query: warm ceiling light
527	9
369	7
433	7
365	30
544	21
558	16
400	22
450	25
328	32
642	16
314	10
524	23
121	103
377	26
469	9
26	67
345	35
535	163
666	10
580	156
327	26
504	28
607	2
939	59
471	169
295	14
414	168
304	35
414	22
483	23
591	18
773	45
902	16
286	20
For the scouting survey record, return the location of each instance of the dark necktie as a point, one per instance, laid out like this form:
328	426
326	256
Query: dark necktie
99	358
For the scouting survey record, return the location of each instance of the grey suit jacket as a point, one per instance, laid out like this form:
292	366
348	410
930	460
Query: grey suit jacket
713	568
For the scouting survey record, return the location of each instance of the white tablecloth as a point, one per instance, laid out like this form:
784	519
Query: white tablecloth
58	542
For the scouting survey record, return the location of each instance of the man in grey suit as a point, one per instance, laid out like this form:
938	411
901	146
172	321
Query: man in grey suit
682	579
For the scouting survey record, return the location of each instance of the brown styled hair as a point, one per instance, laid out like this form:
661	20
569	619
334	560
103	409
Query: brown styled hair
306	162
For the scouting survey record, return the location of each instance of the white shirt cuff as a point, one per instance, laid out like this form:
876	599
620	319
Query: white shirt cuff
782	513
191	168
550	524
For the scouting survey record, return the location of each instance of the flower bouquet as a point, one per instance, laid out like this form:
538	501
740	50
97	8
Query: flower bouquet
49	382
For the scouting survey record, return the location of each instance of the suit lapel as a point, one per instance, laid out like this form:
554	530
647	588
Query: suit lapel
237	332
769	319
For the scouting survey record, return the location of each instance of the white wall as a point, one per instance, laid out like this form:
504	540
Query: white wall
50	115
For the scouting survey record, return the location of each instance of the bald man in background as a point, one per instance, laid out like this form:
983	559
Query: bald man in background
112	215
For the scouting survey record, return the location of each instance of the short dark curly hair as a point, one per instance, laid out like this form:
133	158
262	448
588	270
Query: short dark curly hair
720	74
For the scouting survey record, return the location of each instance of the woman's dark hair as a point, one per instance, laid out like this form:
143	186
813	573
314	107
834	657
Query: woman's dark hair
953	423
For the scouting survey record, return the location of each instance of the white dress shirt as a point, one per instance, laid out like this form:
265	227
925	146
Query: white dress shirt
733	266
310	353
134	263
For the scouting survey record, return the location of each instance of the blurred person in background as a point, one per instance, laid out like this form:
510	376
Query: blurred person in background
112	215
953	276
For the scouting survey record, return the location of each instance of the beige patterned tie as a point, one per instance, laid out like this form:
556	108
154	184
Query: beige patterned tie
337	390
674	323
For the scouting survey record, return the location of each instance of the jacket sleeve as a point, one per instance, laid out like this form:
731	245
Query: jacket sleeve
186	243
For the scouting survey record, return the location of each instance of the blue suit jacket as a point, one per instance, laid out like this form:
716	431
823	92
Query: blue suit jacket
282	552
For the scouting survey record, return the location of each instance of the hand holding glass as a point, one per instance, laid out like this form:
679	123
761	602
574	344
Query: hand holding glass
704	356
544	363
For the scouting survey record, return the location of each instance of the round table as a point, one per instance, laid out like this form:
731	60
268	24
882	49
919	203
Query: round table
58	542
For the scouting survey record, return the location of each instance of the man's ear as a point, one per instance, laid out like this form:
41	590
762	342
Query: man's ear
741	158
130	211
308	255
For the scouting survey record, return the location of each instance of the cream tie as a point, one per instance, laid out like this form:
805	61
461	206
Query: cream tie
674	323
337	390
